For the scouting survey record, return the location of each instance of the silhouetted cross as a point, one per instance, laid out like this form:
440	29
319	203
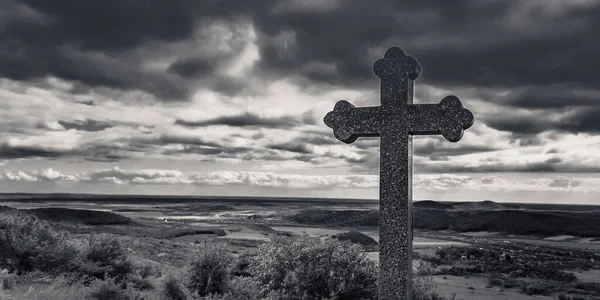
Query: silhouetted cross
395	121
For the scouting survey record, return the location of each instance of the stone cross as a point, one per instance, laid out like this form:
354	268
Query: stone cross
395	121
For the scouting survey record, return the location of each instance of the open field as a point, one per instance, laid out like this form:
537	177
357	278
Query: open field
479	250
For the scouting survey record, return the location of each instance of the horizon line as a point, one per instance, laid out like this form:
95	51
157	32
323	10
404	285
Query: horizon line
92	195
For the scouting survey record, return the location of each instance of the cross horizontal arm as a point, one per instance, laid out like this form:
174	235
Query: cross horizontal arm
349	122
447	118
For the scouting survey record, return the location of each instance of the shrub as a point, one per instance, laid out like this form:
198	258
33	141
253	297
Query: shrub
209	271
503	281
104	256
538	288
31	244
311	268
243	288
7	281
241	264
139	283
147	270
109	289
6	297
104	249
423	284
172	290
563	296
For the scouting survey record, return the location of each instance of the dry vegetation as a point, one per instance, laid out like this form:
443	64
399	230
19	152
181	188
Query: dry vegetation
79	254
38	260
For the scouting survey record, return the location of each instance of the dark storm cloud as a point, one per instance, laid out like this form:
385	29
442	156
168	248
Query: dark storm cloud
244	120
88	102
91	152
87	125
439	147
89	41
457	43
191	67
318	139
173	139
547	166
292	147
13	152
220	152
553	96
113	24
546	52
439	164
574	120
553	160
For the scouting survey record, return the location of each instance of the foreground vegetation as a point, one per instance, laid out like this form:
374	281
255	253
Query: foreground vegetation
77	254
39	262
532	269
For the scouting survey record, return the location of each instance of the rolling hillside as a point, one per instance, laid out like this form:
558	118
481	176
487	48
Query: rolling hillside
470	216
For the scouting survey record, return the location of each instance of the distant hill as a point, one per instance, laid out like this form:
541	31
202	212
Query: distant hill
473	205
88	217
510	221
470	216
431	204
69	215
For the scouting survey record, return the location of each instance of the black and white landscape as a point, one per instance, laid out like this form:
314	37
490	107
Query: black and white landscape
470	250
137	137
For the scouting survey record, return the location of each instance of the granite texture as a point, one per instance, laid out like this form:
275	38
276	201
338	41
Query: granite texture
395	121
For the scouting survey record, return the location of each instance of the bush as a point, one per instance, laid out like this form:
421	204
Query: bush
423	284
139	283
108	291
563	296
243	288
7	280
310	268
104	256
241	264
502	281
147	270
209	271
30	244
538	288
172	290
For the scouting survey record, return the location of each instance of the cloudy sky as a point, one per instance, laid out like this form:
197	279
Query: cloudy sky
227	97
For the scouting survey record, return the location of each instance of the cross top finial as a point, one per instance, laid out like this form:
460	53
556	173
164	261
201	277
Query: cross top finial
395	64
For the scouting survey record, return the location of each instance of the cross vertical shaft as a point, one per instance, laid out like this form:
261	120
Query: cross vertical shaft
395	216
395	187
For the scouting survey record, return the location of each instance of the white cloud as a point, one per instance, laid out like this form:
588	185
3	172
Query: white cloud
425	182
